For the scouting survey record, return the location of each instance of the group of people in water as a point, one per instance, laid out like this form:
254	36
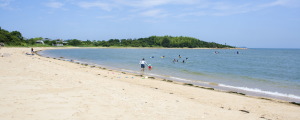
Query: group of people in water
217	52
179	57
143	63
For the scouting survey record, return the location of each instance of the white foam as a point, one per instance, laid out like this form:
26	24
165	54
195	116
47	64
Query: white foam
180	79
256	90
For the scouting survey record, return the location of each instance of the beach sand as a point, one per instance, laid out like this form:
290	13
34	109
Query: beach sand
38	88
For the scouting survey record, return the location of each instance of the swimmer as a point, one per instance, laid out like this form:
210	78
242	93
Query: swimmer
174	60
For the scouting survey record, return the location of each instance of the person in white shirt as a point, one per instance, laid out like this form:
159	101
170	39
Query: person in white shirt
143	63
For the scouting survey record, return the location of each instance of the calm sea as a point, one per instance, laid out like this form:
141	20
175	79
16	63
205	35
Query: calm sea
271	73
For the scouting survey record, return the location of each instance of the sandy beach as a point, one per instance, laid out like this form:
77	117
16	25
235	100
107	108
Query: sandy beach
38	88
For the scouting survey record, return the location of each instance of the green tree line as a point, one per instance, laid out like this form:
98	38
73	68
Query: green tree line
11	38
152	41
15	38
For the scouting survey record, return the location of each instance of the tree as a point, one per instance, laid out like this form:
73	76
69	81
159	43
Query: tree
32	41
165	42
17	34
114	42
87	43
4	36
75	42
11	38
16	38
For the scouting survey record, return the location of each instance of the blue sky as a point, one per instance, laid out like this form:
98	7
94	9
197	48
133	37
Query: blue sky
249	23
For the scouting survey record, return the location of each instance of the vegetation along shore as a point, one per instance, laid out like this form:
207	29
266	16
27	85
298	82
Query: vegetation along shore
15	38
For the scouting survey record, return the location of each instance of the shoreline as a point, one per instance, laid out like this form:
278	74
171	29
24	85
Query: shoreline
126	89
203	84
251	92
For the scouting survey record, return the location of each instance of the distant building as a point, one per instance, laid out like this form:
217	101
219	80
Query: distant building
60	42
65	42
58	45
40	42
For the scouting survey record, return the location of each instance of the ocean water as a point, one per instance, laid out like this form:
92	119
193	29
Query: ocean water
273	73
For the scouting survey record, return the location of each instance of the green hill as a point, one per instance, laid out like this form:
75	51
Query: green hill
167	41
15	38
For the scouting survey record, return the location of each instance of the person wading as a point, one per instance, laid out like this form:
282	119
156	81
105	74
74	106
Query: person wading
143	63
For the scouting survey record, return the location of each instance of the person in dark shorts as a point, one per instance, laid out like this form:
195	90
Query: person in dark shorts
143	63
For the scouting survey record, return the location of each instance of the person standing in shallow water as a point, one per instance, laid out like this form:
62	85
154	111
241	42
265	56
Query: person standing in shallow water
149	67
143	63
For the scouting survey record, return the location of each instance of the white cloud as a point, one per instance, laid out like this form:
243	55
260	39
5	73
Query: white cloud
231	9
101	5
154	13
5	4
175	8
106	17
148	3
207	8
55	4
285	3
